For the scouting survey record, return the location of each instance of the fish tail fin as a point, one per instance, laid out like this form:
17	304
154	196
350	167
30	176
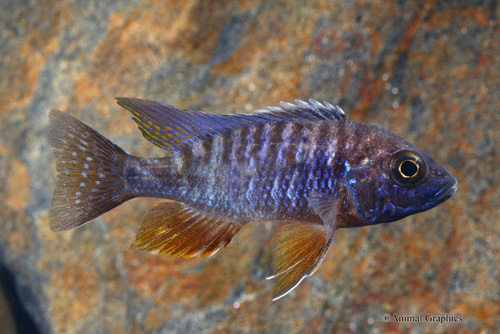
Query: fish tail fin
90	173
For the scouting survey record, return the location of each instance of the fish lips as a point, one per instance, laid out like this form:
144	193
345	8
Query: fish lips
446	191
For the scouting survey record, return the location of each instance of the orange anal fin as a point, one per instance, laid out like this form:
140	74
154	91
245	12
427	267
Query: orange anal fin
177	229
298	251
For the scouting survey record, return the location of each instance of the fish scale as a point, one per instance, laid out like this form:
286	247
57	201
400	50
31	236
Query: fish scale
305	164
206	178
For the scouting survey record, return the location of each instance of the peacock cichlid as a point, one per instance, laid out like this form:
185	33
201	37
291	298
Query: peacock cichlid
302	163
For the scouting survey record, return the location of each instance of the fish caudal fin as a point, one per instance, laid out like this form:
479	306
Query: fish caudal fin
90	172
177	229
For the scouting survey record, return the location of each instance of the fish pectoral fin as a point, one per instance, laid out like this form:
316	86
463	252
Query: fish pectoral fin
325	206
298	251
177	229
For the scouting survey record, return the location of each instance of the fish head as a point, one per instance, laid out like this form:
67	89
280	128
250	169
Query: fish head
396	180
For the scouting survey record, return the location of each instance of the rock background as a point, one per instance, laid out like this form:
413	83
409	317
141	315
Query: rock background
428	70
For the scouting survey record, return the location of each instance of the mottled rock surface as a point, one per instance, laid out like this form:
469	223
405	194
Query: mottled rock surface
428	70
6	317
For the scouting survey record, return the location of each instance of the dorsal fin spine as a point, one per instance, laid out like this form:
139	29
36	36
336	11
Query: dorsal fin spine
170	128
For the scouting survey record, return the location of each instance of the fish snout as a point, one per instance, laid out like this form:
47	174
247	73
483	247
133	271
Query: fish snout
446	191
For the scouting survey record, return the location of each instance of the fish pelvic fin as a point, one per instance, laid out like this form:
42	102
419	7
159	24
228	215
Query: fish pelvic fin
298	251
177	229
300	247
90	173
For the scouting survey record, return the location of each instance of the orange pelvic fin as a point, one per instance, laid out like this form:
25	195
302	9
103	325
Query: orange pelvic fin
300	248
298	252
177	229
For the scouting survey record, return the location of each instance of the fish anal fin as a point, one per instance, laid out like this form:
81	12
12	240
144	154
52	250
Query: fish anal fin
177	229
298	251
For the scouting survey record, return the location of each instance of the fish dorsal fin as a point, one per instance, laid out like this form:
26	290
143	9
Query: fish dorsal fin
169	127
177	229
308	111
300	248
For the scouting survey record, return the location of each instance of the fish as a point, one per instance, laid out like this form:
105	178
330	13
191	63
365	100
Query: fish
304	164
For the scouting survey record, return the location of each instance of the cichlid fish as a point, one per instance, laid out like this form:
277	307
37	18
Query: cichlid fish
302	163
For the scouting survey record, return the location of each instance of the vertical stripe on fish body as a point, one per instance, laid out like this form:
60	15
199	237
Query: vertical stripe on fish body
305	164
261	171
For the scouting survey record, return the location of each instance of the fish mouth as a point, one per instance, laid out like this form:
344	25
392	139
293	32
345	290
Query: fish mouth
446	191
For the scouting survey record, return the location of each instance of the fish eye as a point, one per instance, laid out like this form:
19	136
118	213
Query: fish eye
407	168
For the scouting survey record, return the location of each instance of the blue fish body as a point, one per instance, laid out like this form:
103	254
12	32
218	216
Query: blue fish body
302	163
